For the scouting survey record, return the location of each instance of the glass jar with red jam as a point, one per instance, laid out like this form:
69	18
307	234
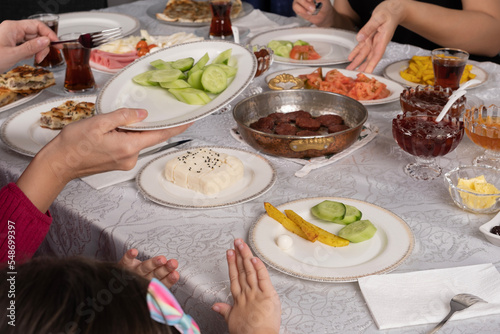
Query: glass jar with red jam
430	99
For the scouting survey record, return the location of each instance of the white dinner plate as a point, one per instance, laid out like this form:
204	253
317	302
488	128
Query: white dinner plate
22	132
394	87
96	21
19	102
333	45
392	72
246	9
387	249
164	110
258	178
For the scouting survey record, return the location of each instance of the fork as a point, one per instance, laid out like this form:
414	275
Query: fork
318	6
458	303
94	39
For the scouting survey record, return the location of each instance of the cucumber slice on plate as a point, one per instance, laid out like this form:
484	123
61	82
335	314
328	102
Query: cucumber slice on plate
144	79
166	75
183	64
223	57
352	214
160	64
194	79
214	79
358	231
329	210
190	95
199	64
179	83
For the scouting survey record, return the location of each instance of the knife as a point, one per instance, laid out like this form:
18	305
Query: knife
163	148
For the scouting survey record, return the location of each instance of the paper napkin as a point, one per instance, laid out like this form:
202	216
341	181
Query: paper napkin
368	132
423	297
257	22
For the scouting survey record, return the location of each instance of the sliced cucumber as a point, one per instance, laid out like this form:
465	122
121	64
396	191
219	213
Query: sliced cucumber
199	64
223	57
183	64
144	79
190	95
352	214
179	83
194	79
161	64
214	79
300	42
230	70
166	75
358	231
329	210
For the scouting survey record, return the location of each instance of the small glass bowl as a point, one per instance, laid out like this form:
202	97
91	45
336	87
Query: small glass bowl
265	58
482	126
472	201
430	99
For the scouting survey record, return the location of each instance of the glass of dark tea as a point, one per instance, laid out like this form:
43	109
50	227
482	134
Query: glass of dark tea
448	65
220	26
79	77
54	59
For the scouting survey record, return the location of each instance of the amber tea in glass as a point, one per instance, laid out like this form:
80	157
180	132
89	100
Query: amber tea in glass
220	26
79	77
54	58
448	65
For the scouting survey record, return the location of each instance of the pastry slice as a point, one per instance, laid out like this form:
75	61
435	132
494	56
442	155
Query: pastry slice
68	112
7	96
27	79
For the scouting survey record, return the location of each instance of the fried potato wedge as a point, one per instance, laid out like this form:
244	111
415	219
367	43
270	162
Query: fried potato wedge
324	237
284	220
309	229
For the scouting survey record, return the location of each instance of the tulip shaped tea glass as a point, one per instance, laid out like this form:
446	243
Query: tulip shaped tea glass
418	134
482	126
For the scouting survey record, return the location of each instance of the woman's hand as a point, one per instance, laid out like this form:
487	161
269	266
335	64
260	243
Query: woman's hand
376	34
87	147
157	267
257	308
306	8
23	39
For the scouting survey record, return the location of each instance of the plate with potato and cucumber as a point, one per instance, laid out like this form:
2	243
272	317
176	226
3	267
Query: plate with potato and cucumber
180	84
331	239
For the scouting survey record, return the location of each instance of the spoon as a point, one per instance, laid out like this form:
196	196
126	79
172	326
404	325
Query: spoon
458	303
455	96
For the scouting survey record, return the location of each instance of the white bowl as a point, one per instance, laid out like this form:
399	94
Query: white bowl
486	227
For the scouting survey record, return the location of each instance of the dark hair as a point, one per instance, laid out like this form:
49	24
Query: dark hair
75	295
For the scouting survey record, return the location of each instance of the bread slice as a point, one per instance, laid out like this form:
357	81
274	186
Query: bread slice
7	96
26	79
66	113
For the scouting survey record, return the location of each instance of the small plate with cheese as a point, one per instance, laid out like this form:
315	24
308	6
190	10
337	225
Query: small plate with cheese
186	178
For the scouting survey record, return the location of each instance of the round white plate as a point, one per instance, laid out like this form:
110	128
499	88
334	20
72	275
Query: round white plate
387	249
246	9
96	21
258	178
394	87
392	72
333	45
19	102
164	110
22	132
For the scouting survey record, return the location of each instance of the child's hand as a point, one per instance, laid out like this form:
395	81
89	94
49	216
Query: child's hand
257	308
158	267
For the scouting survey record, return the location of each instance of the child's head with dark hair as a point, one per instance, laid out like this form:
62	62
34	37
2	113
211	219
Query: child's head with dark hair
78	296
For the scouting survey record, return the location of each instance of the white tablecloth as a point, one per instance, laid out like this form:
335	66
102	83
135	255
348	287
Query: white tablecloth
104	223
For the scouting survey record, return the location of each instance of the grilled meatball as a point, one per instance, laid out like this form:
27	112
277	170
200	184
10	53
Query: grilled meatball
285	129
328	120
308	123
299	113
337	128
264	124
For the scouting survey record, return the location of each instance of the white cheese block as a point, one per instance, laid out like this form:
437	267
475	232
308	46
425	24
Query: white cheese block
204	170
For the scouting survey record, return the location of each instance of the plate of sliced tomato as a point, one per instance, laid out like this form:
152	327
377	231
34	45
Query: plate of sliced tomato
366	88
327	46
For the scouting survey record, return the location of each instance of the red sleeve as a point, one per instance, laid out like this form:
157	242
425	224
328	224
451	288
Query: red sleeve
28	226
